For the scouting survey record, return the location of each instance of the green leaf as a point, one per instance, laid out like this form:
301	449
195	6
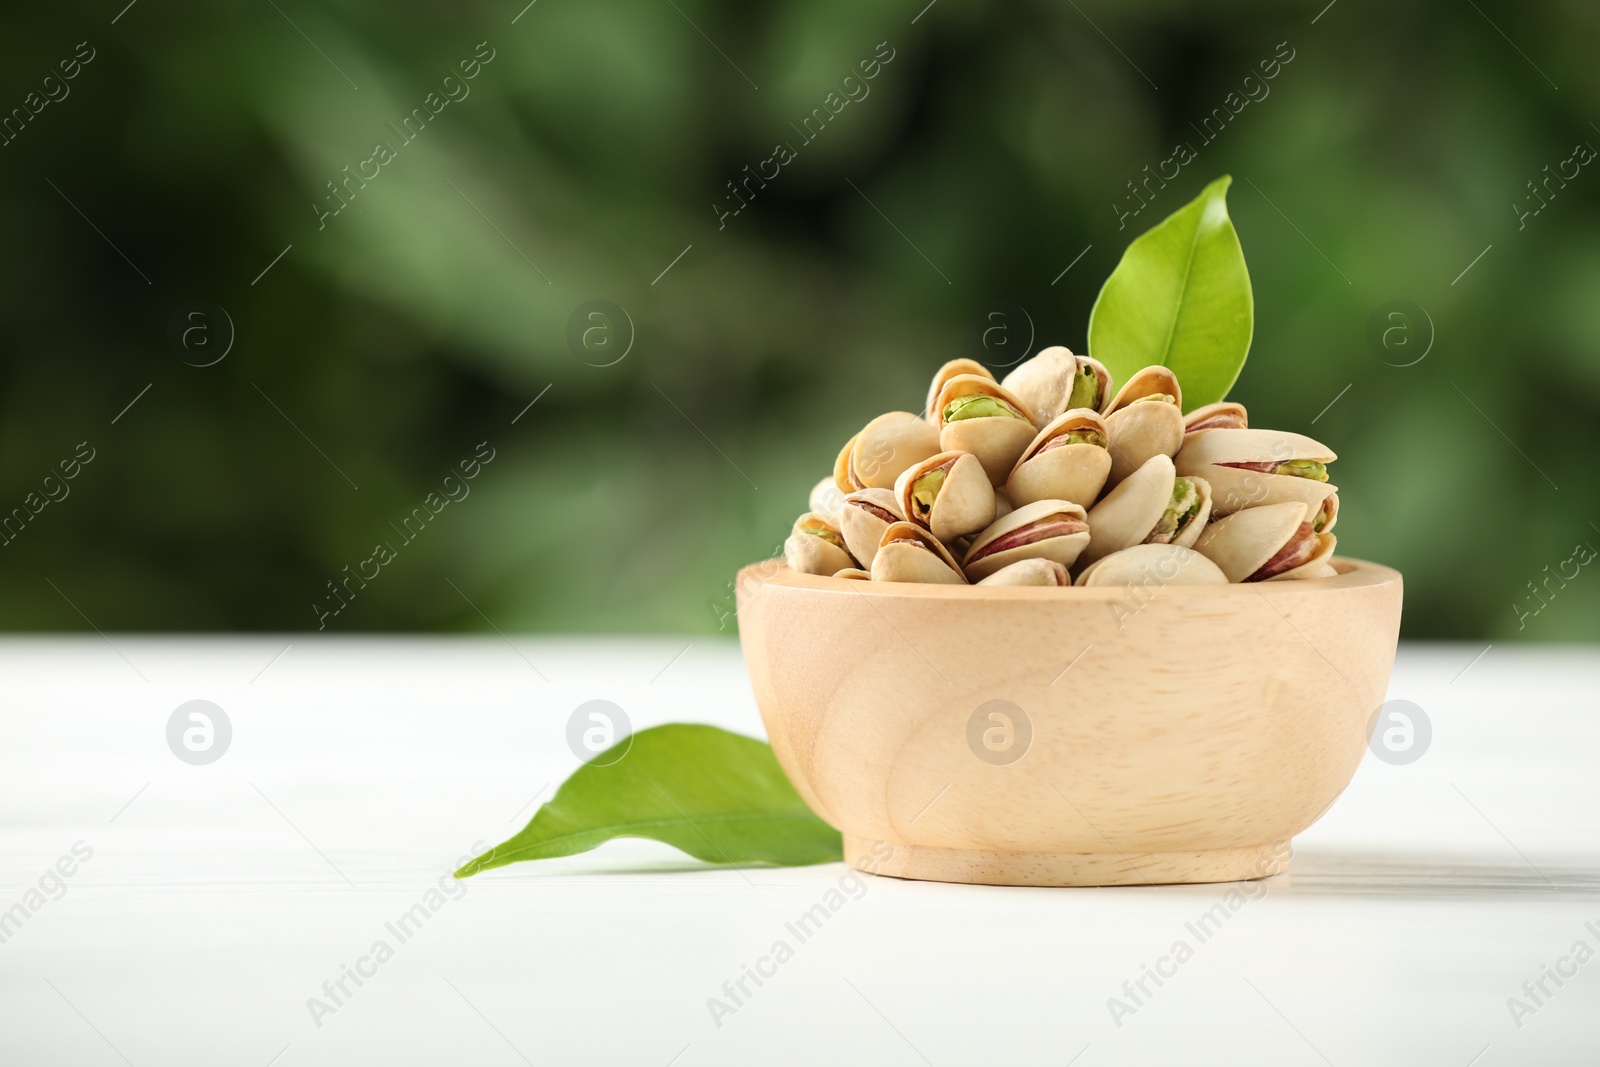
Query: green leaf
716	795
1180	298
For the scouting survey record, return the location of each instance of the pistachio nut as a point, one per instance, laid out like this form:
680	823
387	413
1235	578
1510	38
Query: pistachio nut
1002	504
864	517
1153	565
1223	415
1044	529
1068	460
1151	506
855	573
947	493
977	415
826	500
1055	380
944	374
1145	419
815	546
908	553
1328	514
1248	468
887	445
1034	571
1267	543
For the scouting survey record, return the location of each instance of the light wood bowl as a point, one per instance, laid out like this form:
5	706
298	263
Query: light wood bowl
1178	734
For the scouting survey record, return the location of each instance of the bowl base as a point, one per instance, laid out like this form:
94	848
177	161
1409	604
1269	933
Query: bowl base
985	867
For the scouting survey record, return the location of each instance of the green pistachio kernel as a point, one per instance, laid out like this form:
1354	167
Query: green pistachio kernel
978	406
829	535
1085	390
1304	468
925	488
1084	437
1183	506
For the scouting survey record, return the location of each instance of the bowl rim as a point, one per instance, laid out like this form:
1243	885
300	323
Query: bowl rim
1353	574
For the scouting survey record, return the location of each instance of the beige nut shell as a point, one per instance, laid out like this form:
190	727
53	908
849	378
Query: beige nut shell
1064	549
1233	489
887	445
1131	510
1240	543
1330	508
826	500
1030	572
861	528
1153	566
1045	382
964	504
1138	428
811	554
908	553
1232	416
1074	473
997	441
944	374
1317	566
1129	513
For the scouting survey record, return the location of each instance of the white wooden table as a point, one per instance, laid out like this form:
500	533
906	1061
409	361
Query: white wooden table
217	900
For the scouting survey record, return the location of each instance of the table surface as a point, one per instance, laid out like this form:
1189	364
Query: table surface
216	901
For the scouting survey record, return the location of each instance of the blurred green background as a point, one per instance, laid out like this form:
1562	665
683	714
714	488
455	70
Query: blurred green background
593	152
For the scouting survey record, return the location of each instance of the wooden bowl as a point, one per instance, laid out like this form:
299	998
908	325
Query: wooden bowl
1082	736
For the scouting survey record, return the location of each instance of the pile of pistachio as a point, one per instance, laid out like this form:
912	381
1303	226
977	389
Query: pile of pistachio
1050	476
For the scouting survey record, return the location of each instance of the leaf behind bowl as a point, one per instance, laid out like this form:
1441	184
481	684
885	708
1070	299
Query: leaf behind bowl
719	796
1180	298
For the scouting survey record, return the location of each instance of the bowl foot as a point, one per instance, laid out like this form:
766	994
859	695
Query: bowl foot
983	867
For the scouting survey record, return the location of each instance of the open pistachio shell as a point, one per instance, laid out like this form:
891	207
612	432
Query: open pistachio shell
1323	519
1240	464
815	546
1153	566
886	446
1151	385
864	517
1030	572
1318	566
1052	470
997	440
826	500
1242	543
1131	510
1055	380
1152	506
1195	525
944	374
1145	419
908	553
948	493
1002	504
841	466
1223	415
1045	529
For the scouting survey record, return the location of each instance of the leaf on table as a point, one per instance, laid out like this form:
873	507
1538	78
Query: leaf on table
719	796
1180	298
